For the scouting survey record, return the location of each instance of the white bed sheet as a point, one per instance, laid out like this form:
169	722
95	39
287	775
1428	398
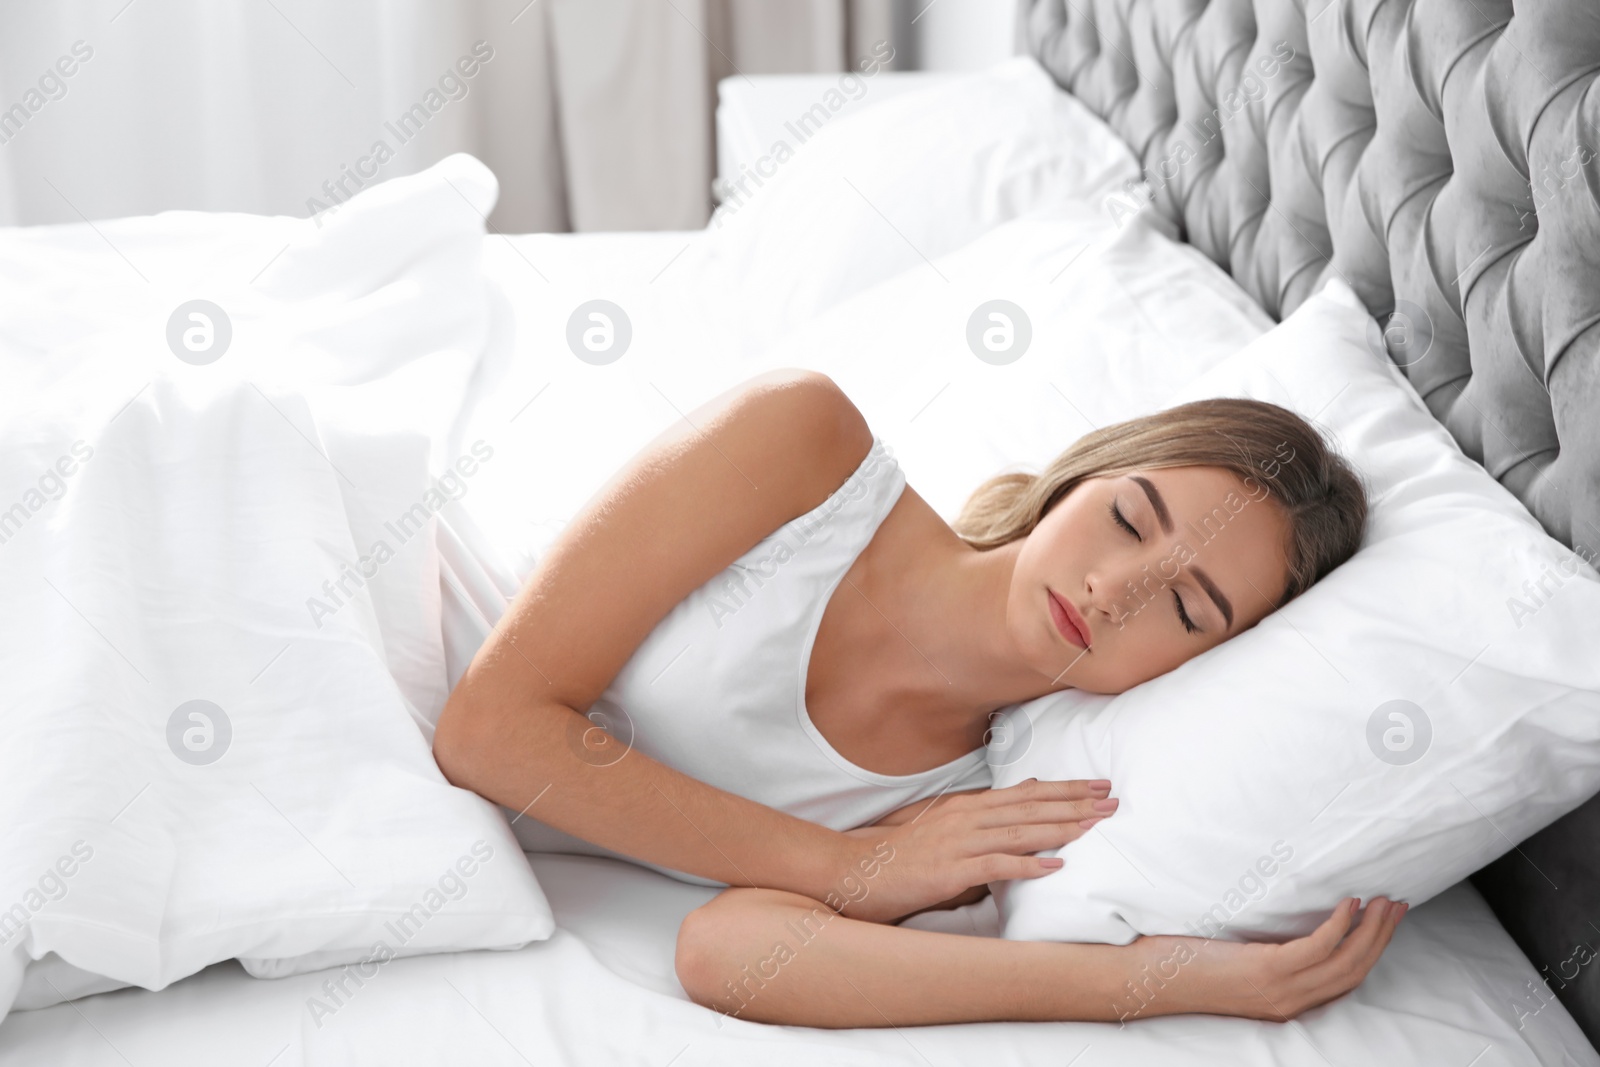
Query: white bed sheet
602	991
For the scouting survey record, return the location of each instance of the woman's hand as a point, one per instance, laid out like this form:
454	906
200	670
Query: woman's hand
930	854
1267	981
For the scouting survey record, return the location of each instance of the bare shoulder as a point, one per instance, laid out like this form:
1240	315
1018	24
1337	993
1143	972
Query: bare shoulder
697	497
748	460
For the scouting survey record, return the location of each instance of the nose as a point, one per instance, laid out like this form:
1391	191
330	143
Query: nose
1110	591
1102	597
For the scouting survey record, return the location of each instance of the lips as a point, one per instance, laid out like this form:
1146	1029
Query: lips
1068	621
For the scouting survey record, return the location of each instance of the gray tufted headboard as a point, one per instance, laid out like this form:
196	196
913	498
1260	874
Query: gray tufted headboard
1443	157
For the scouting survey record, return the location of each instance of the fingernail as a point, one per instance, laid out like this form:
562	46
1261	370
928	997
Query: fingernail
1100	785
1053	864
1086	823
1106	805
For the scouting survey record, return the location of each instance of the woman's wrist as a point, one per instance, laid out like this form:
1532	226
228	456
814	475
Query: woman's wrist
815	865
843	869
855	868
1158	977
1122	983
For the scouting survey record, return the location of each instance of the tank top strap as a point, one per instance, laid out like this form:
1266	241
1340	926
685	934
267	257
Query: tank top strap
839	528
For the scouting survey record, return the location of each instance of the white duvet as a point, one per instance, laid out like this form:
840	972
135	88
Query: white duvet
222	650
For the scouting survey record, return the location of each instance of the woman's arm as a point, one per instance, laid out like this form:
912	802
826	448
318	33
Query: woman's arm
694	500
777	957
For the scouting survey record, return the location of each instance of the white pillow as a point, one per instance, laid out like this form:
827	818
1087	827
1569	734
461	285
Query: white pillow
1116	317
1103	321
1390	731
878	191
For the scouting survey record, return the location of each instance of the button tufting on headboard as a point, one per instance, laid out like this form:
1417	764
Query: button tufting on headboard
1442	156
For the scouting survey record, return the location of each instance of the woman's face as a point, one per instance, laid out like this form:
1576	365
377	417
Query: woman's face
1203	560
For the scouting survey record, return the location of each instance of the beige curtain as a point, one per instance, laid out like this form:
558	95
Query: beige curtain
594	114
635	93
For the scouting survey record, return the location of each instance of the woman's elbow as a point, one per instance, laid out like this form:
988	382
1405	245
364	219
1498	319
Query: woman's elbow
701	953
730	954
456	741
721	947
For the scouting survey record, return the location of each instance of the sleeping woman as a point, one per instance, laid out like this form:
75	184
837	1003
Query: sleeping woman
800	660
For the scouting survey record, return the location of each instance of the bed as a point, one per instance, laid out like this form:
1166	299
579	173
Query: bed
1380	209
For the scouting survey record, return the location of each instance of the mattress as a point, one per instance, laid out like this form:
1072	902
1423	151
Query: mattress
1451	989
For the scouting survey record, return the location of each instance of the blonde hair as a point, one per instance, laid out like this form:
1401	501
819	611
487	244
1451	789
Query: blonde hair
1260	443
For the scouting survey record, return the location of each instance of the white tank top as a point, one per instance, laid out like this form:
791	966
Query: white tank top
717	689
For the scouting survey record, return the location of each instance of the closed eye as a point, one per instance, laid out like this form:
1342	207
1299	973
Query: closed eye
1116	516
1184	615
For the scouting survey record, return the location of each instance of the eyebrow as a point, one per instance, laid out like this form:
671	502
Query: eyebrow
1216	594
1164	517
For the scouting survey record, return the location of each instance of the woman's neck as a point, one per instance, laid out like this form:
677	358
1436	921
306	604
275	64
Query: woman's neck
950	658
